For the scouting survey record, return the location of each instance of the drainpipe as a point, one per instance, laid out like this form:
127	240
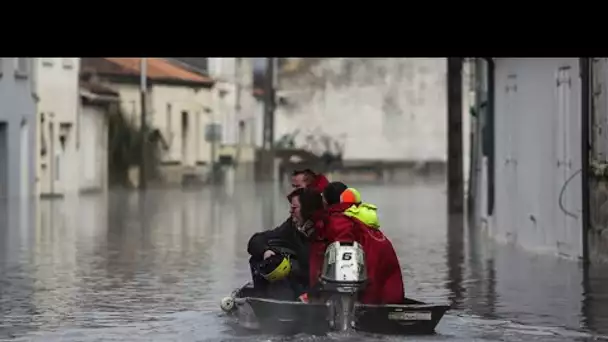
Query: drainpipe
586	108
490	130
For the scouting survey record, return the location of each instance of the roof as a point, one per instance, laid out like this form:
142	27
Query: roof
199	64
158	69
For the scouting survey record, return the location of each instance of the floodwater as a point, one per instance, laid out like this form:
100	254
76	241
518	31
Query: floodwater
126	267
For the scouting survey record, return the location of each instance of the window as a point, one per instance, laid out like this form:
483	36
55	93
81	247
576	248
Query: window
68	63
134	110
57	169
42	139
21	67
168	124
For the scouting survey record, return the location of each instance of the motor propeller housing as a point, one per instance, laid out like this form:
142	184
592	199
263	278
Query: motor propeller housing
343	276
344	268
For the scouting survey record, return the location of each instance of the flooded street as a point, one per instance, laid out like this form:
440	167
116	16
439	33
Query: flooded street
119	268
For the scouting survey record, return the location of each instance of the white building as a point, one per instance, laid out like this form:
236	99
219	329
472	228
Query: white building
236	110
58	117
234	99
528	189
96	103
17	127
179	106
237	107
374	109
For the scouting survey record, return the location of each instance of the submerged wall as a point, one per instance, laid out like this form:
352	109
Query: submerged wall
374	109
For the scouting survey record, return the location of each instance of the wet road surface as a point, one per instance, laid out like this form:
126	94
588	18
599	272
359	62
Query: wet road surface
118	268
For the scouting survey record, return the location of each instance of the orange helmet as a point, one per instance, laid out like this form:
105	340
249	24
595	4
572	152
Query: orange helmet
350	195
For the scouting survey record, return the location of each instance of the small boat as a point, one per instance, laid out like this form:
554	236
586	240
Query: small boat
338	311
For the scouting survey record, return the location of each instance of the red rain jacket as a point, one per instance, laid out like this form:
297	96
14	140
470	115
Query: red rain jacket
319	183
385	282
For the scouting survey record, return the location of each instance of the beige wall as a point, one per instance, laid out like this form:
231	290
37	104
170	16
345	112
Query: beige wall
171	105
57	88
166	104
93	149
129	100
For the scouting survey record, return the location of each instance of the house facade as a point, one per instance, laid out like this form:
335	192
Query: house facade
17	127
58	125
179	103
527	185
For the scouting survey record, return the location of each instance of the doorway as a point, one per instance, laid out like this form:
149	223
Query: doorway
3	160
185	137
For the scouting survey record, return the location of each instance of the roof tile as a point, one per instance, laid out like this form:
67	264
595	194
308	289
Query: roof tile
157	68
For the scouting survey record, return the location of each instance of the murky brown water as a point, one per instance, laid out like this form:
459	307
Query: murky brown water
118	268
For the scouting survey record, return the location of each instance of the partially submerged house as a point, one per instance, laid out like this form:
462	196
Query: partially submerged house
17	127
180	107
58	114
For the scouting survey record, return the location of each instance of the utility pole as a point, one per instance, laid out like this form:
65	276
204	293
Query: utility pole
143	128
586	67
269	106
237	108
454	125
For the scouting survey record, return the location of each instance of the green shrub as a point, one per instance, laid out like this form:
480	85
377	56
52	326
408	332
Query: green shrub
124	144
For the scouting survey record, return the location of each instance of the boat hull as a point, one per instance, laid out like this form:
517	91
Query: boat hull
406	319
291	317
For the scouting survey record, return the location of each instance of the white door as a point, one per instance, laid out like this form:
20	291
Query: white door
511	119
572	160
568	183
24	157
52	169
88	144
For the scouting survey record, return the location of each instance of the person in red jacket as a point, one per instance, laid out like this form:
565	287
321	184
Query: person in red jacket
307	178
385	282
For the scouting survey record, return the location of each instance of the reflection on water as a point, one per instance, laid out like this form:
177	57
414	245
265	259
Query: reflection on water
129	267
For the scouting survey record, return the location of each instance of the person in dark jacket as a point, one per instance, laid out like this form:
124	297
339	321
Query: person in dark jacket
288	238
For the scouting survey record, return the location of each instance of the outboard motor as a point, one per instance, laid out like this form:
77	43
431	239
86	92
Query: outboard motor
343	276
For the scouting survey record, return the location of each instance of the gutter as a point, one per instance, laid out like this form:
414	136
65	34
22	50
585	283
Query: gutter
96	97
136	79
490	131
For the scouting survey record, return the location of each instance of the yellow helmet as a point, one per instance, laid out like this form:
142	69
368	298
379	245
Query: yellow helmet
277	267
